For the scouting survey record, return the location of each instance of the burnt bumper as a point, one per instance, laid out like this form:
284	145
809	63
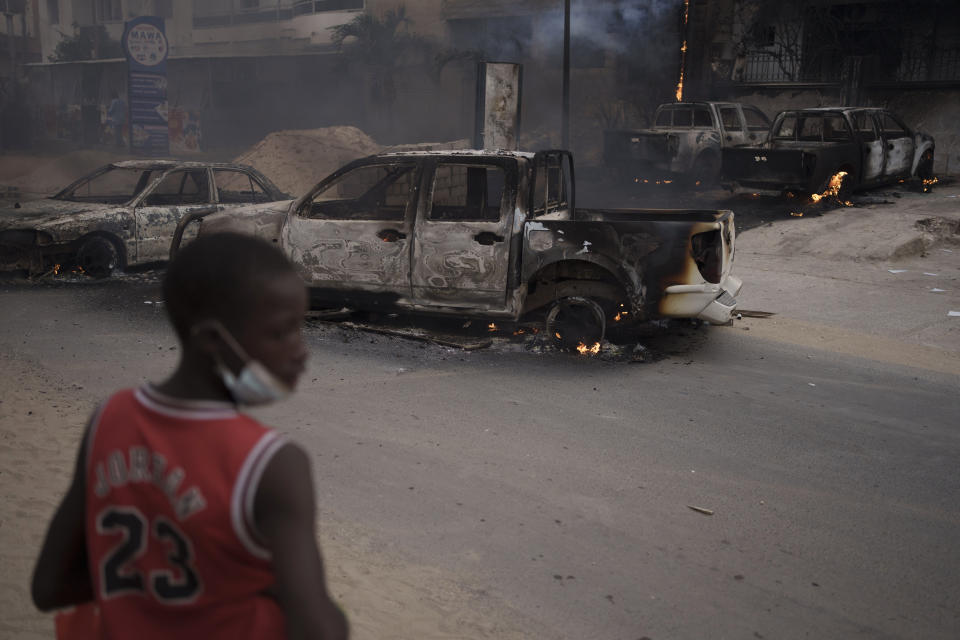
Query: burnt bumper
27	250
714	303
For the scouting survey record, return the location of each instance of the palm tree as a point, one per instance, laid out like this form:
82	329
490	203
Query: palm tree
381	45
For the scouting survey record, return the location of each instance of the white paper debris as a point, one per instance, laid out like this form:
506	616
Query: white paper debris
897	270
947	250
935	290
953	314
811	384
927	273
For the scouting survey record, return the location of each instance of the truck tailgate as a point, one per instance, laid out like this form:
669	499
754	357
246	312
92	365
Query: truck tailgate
623	145
756	166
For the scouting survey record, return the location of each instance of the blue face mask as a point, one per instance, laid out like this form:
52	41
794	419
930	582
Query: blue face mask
255	384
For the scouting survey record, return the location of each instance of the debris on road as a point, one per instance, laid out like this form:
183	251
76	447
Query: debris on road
749	313
706	512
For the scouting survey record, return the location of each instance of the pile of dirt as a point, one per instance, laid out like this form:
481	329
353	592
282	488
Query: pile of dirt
56	173
297	159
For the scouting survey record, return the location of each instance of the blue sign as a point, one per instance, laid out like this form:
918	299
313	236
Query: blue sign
146	46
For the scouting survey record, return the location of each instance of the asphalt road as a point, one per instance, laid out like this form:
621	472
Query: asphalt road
557	489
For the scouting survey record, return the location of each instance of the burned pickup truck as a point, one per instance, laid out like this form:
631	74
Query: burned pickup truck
809	147
496	235
685	142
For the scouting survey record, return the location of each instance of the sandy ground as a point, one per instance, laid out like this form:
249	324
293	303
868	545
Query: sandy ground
784	265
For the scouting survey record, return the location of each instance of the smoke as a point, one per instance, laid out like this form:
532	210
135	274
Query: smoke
616	27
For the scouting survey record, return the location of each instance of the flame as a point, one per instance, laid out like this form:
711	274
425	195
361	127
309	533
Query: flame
683	49
491	327
558	336
833	187
619	316
584	349
796	214
667	181
791	194
929	182
518	332
698	183
56	269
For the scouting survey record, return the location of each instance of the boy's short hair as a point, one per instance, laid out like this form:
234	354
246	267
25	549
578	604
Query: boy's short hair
219	276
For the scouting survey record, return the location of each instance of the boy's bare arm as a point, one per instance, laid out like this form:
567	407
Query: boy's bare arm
285	513
62	577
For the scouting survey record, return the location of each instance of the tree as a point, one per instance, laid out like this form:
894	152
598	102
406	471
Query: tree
382	46
88	43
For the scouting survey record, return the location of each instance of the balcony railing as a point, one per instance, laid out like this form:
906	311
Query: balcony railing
277	13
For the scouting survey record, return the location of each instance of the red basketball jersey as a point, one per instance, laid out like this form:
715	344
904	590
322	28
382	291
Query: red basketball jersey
171	541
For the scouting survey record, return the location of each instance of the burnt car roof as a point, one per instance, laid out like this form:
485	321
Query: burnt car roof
835	109
467	153
164	163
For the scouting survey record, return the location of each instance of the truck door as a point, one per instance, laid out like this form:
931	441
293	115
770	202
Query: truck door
898	147
733	130
353	232
461	251
758	125
873	155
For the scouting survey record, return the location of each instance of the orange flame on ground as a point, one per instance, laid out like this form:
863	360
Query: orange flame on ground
584	349
56	269
619	316
491	327
518	332
796	214
833	187
558	336
929	182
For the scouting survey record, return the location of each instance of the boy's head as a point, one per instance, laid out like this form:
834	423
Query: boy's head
241	284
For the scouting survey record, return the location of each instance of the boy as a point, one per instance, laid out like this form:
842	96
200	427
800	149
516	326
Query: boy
186	519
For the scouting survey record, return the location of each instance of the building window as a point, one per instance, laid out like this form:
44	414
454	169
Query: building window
109	11
163	8
53	11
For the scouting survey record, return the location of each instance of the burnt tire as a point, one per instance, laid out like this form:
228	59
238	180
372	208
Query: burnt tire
925	166
705	173
98	257
574	322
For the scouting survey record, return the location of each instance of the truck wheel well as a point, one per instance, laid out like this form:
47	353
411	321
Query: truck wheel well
573	278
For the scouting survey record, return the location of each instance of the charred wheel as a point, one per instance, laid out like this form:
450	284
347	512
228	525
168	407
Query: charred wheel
576	324
98	257
705	172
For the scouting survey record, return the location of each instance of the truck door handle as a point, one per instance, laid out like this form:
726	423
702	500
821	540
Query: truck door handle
390	235
487	238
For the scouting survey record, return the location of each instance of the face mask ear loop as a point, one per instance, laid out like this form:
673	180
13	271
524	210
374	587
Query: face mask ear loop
226	336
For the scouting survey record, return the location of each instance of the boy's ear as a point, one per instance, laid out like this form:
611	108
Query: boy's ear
205	338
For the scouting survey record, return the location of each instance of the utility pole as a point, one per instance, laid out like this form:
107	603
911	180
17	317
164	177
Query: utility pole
565	114
12	42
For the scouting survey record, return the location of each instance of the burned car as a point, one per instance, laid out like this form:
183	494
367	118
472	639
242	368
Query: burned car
496	234
685	142
123	214
807	148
